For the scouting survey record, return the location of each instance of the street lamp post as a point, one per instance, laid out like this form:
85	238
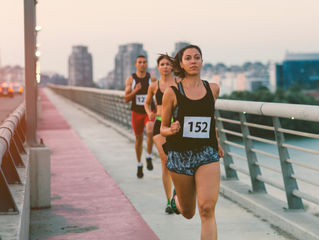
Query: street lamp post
30	70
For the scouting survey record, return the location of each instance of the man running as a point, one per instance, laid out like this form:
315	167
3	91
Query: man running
136	91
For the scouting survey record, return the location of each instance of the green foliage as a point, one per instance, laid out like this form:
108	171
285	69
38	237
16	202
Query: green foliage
293	95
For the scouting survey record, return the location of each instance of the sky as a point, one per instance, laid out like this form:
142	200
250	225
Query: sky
229	31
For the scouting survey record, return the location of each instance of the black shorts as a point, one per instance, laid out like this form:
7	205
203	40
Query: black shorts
187	162
157	127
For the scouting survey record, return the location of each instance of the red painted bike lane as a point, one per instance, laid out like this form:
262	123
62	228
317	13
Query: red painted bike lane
83	193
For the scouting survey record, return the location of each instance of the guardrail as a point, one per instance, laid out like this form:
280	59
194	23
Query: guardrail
12	137
275	111
110	104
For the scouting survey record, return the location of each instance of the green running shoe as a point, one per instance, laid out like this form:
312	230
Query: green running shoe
173	204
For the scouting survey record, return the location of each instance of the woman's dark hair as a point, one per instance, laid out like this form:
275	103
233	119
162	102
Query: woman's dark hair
164	56
177	69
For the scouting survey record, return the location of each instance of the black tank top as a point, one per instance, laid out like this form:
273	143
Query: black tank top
196	118
140	96
159	94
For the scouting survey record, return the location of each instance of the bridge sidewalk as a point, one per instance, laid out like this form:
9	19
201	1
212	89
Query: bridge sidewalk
89	202
86	201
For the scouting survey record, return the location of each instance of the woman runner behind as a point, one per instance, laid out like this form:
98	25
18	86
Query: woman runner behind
164	66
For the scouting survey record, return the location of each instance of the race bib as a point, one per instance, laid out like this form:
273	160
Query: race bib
140	99
196	127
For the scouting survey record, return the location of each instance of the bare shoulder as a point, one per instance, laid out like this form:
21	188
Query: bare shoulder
129	80
153	78
215	89
169	97
169	94
153	86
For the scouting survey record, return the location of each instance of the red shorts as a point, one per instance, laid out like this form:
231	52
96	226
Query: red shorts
139	121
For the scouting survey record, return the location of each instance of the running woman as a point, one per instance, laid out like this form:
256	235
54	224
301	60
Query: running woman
164	66
136	90
193	146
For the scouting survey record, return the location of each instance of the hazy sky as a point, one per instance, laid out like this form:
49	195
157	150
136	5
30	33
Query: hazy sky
229	31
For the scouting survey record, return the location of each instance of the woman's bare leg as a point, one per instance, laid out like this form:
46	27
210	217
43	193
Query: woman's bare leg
207	179
159	140
186	194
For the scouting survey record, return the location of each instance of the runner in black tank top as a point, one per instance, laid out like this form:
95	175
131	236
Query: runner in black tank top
136	90
196	118
139	100
164	65
192	143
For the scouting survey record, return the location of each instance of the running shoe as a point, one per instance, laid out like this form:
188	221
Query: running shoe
140	171
149	164
173	204
169	209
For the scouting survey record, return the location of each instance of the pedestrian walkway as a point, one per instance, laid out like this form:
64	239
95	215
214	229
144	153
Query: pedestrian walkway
92	202
86	201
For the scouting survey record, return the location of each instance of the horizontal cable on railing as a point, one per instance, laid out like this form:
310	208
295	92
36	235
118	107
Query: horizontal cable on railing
228	120
301	148
304	180
267	167
232	132
298	133
234	144
262	140
238	156
255	125
303	165
270	182
239	169
265	153
305	196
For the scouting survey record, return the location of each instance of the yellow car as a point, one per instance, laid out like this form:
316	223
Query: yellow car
6	90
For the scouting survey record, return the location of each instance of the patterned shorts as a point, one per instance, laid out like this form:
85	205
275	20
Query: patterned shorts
189	161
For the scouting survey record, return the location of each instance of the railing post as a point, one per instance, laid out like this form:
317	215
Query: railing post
7	203
254	169
290	183
228	160
9	169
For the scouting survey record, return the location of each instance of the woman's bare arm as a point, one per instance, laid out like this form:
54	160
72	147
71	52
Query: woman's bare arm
168	105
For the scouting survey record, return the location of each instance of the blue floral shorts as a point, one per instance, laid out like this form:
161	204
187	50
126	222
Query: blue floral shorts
189	161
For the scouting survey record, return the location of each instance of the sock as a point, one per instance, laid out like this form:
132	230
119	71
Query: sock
139	164
148	155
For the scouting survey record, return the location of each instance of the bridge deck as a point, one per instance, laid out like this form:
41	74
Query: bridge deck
96	195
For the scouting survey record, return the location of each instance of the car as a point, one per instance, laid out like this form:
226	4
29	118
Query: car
6	90
17	88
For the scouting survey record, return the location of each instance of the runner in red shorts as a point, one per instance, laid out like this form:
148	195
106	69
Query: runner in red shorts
136	91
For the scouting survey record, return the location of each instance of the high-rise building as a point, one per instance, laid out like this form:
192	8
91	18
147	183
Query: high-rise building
80	67
125	63
298	68
179	46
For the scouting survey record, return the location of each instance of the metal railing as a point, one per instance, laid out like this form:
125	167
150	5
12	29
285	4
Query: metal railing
238	143
12	137
274	111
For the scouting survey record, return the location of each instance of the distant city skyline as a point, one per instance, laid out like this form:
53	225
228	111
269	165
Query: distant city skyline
231	31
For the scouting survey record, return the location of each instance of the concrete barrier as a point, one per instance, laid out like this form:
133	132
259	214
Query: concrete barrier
40	177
